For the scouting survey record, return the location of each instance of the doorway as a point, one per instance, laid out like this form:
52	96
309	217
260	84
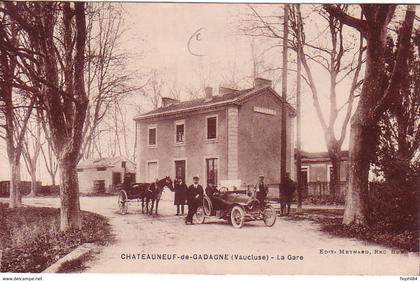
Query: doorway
152	171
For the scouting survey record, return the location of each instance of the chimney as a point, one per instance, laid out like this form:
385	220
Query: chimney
261	82
226	90
168	101
209	93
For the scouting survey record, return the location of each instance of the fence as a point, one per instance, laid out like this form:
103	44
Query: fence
322	191
313	192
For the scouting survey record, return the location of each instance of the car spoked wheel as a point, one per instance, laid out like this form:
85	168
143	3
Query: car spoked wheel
207	206
199	216
122	202
237	216
270	215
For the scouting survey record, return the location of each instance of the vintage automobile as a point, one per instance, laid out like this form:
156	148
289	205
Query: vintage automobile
235	206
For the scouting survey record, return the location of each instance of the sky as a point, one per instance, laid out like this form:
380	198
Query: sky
197	45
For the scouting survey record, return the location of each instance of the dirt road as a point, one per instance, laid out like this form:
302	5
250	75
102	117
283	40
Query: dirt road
290	247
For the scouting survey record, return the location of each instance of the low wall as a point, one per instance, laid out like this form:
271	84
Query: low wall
25	189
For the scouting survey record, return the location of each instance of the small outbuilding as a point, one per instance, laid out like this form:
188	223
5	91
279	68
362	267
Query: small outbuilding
316	174
101	175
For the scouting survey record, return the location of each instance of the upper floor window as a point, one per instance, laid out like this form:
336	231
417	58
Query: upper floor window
211	126
101	169
152	136
180	132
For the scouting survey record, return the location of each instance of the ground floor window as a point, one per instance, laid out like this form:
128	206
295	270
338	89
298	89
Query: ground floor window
212	171
152	171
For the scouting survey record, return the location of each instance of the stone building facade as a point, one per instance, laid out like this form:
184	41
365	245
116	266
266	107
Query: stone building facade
230	136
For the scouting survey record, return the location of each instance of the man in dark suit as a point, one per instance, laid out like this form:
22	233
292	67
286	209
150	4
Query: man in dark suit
195	194
261	190
286	194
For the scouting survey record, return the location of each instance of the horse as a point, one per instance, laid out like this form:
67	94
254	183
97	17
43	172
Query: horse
153	192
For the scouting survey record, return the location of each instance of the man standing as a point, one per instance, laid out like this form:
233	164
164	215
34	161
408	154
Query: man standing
180	195
195	194
261	189
288	188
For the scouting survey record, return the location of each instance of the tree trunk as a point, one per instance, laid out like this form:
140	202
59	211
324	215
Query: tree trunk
69	196
34	186
335	175
357	204
52	179
364	130
284	96
15	196
298	114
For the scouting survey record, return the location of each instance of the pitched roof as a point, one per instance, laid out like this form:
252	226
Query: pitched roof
101	162
323	155
233	97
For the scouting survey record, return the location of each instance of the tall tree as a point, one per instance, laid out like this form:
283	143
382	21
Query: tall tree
56	32
153	89
375	95
298	29
107	79
333	59
14	104
50	162
32	145
327	51
399	138
284	132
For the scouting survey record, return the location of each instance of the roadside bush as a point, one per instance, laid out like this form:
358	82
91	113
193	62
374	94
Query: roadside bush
31	240
49	190
395	207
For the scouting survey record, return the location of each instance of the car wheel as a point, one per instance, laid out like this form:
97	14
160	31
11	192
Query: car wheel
237	216
122	202
207	206
270	215
199	216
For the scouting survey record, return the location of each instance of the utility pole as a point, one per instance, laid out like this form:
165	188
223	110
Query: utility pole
298	109
284	96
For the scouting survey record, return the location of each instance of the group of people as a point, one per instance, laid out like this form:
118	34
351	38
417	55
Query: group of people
192	195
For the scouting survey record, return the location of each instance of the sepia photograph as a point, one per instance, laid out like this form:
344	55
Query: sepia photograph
209	138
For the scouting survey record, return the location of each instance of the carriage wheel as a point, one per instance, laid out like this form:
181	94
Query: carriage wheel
199	216
122	202
237	216
270	216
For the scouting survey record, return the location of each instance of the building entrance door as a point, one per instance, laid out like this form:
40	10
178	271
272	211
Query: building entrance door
116	178
152	171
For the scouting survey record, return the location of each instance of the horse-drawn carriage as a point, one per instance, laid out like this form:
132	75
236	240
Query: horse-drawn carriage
142	192
236	207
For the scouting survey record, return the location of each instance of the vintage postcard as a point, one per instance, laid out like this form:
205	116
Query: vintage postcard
209	138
